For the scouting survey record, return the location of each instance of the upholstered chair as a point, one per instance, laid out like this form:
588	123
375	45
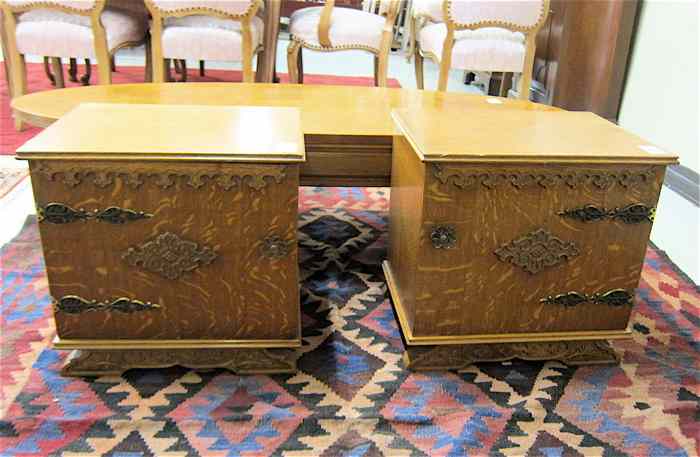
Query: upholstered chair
329	28
221	30
481	36
68	29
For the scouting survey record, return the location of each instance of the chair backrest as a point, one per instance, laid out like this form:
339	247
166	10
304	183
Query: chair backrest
431	9
517	15
389	8
69	6
223	8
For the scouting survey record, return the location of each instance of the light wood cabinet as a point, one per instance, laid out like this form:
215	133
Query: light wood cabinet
172	239
521	244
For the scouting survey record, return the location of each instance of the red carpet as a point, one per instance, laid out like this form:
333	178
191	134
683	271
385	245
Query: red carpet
37	81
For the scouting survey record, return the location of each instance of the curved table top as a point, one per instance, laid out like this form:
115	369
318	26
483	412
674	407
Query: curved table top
326	110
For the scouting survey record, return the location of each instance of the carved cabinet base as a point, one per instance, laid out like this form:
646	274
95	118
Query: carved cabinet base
509	243
174	243
241	361
459	357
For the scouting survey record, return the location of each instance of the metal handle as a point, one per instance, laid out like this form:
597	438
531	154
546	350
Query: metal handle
73	304
635	213
614	298
58	213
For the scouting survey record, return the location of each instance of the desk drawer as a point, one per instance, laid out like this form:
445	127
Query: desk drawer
163	250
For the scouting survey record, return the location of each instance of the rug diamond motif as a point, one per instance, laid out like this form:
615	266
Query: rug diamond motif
341	365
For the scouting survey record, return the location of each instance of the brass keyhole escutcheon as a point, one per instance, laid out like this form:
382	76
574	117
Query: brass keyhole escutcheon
443	237
275	247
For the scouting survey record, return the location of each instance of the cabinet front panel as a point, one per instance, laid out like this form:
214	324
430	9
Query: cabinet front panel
532	249
169	250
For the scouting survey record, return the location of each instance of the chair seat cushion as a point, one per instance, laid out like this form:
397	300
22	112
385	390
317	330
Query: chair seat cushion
349	27
208	38
53	33
485	49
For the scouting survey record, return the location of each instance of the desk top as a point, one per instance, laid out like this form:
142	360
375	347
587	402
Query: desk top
490	134
325	110
153	132
443	125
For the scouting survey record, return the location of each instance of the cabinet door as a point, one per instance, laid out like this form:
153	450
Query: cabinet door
166	250
533	249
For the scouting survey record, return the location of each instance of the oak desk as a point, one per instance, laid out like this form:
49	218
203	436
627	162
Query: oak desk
517	229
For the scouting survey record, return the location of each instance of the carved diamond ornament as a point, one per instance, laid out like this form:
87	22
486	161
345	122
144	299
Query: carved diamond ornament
536	251
169	255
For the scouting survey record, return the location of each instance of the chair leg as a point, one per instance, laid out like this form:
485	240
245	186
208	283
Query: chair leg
18	79
112	64
248	74
168	75
181	69
376	71
418	62
446	59
148	76
293	52
85	79
259	64
47	70
160	67
58	72
300	65
526	77
73	70
383	69
201	68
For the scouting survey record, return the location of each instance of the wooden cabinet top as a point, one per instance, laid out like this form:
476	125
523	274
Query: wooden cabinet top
165	132
495	133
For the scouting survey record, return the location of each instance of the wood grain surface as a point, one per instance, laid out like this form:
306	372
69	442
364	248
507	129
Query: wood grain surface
497	133
241	294
469	290
195	132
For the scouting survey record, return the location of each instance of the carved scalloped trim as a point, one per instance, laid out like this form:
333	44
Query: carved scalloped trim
600	179
447	12
98	5
165	179
190	11
243	361
343	47
459	357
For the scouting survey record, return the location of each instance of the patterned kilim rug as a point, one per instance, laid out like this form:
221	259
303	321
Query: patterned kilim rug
352	395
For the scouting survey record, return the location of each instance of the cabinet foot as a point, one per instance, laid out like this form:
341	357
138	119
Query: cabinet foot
459	357
242	361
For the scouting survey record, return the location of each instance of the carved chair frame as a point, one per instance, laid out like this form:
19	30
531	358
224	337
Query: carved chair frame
445	62
18	73
158	15
381	55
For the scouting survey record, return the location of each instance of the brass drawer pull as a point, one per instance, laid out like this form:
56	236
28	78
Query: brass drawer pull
443	237
635	213
614	298
58	213
73	304
275	247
